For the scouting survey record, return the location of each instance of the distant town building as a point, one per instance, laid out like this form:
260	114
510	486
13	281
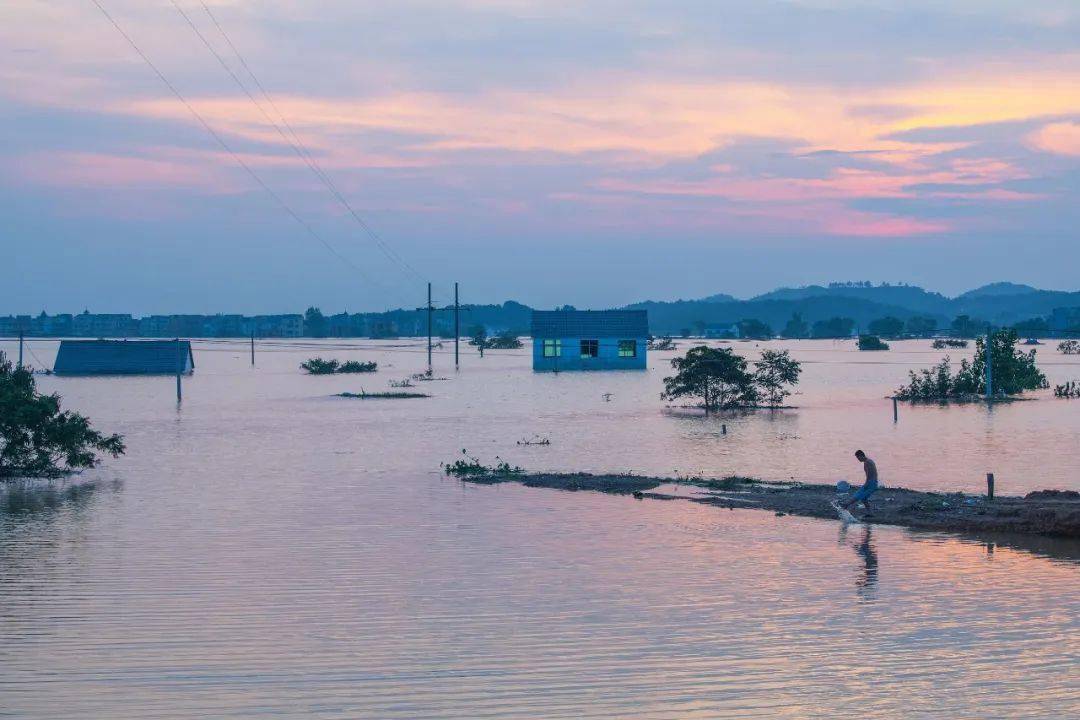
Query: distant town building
124	357
100	325
589	340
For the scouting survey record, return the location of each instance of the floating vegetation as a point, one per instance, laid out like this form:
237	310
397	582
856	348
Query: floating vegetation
319	366
362	395
535	440
406	383
872	342
1069	347
1069	390
471	467
943	343
426	376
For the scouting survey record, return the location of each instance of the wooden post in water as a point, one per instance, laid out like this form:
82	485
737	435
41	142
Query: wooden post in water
723	429
20	346
253	347
895	411
429	326
179	363
989	486
457	327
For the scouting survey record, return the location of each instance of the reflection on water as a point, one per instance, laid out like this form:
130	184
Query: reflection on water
270	550
23	497
866	582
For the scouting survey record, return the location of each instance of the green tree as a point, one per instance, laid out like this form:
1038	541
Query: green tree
1035	327
921	326
773	373
1013	372
315	324
37	439
756	329
889	327
836	327
966	327
796	327
717	375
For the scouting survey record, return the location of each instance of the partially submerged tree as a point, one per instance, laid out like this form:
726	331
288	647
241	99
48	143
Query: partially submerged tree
716	375
1012	372
37	439
872	342
773	373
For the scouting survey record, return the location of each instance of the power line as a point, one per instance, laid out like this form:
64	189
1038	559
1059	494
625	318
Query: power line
213	133
294	141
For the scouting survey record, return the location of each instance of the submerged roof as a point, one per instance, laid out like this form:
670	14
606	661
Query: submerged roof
123	357
590	323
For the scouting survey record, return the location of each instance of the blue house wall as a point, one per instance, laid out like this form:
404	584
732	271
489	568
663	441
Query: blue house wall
607	357
565	340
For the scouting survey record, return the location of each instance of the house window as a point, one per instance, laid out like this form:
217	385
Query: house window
590	348
552	348
628	348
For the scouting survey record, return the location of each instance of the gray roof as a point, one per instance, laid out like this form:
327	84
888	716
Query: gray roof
122	357
590	323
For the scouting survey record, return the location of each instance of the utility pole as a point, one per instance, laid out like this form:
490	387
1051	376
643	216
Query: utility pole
989	361
253	346
179	363
457	328
20	346
429	326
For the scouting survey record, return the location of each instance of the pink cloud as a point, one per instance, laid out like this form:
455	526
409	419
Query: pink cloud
1059	138
859	224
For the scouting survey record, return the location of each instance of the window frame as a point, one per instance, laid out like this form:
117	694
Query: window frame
552	347
627	348
590	349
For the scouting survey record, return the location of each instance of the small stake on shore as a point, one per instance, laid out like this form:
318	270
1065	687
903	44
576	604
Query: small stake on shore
723	429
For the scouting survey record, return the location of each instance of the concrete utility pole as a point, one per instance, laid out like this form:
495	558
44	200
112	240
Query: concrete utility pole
253	348
457	327
179	364
989	362
20	346
429	326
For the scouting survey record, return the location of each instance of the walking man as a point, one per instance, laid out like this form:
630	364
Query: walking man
869	487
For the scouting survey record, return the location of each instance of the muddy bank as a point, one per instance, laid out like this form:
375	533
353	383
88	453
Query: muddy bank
1042	513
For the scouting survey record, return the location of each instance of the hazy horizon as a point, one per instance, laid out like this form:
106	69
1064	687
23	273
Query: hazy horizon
544	152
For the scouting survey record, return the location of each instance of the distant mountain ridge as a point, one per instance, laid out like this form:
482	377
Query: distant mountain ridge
1002	303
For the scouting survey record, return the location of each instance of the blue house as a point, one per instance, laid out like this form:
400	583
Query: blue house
589	340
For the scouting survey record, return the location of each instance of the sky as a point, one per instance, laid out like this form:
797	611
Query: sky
343	153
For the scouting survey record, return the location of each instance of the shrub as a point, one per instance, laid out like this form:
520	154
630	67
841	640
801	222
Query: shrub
942	343
318	366
472	467
1070	347
872	342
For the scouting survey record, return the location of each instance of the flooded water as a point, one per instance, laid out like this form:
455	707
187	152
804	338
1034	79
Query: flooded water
268	549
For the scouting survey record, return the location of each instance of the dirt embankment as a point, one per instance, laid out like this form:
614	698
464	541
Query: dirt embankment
1053	513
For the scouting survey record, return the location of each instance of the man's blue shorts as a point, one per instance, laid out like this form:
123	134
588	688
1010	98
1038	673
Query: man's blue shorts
865	492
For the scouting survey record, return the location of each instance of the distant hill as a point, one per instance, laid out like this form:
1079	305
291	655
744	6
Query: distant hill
999	289
720	298
911	297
